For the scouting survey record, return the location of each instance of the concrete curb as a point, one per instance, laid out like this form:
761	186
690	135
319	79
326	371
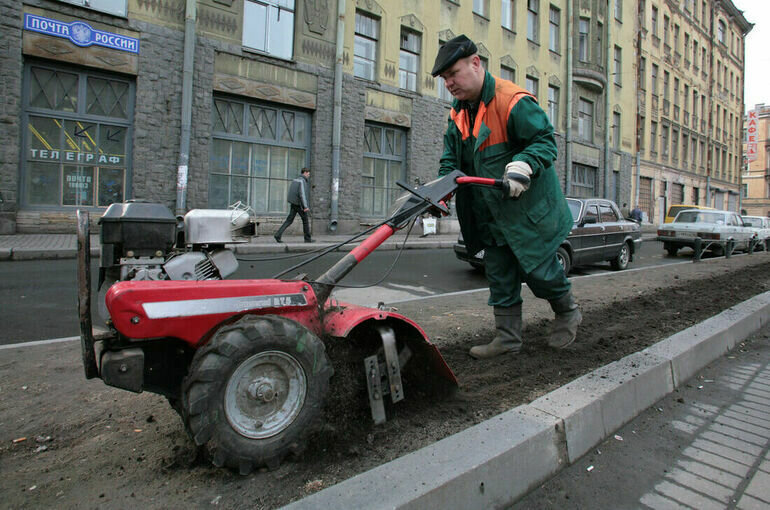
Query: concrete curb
494	463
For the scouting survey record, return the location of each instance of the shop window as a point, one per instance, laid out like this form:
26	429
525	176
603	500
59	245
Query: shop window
383	165
268	26
583	181
77	138
256	151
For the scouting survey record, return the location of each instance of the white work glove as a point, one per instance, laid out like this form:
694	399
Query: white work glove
517	176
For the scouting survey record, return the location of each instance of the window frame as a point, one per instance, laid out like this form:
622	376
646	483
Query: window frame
374	38
416	53
250	32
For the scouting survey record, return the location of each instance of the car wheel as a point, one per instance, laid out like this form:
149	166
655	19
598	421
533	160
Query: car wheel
564	260
255	392
671	249
621	261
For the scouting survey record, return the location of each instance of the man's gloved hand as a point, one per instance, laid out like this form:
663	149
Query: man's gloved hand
517	176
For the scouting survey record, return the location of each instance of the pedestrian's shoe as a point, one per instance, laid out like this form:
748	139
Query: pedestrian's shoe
566	322
507	334
277	238
309	240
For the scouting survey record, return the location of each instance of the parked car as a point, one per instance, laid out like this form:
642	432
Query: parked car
599	233
674	210
713	227
761	226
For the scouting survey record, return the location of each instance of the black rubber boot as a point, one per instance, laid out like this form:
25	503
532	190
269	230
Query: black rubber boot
508	333
566	322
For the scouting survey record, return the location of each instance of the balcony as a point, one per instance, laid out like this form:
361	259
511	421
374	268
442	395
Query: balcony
590	76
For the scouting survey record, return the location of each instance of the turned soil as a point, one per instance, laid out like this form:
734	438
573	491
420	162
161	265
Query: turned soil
70	443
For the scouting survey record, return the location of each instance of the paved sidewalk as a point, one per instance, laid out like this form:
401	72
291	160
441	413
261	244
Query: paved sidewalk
705	446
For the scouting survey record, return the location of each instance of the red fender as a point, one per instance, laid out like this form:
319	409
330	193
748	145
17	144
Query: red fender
340	319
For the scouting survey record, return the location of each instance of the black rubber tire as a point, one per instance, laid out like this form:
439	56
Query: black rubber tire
564	259
204	390
671	250
620	262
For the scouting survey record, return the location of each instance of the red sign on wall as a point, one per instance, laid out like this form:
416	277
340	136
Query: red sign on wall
751	134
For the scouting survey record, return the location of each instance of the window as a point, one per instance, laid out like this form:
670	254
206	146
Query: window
695	54
443	93
77	138
704	62
114	7
676	93
643	73
654	21
618	72
686	48
484	62
256	151
616	131
676	38
666	29
664	141
533	6
721	29
507	19
654	79
666	82
583	181
685	149
554	20
409	59
583	39
641	133
675	143
643	13
653	137
268	25
619	10
586	120
365	46
553	104
384	154
531	84
481	7
507	73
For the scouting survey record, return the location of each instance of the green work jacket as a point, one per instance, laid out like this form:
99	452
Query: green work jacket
509	126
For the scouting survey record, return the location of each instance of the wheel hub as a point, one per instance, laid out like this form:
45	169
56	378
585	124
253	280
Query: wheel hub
265	394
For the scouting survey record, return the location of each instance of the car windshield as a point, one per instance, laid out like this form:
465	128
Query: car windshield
695	216
574	208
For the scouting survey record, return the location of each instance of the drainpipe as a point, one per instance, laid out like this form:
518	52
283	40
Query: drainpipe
337	116
710	125
187	86
607	117
568	134
639	127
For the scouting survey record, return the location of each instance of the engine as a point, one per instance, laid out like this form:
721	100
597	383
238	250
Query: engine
145	241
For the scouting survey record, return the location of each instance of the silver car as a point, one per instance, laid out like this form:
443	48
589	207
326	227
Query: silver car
760	225
713	227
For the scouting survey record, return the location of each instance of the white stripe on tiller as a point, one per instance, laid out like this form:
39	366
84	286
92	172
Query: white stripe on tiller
213	306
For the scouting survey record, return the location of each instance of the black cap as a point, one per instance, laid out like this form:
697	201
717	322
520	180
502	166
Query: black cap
454	49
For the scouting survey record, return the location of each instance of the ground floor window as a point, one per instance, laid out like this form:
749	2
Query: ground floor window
383	165
77	137
256	151
677	194
583	183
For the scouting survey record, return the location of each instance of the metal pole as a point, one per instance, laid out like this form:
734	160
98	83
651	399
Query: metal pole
568	133
187	86
607	116
337	117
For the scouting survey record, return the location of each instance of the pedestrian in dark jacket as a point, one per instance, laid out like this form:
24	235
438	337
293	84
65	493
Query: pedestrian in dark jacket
496	129
299	203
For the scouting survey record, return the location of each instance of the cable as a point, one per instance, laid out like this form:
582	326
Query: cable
387	273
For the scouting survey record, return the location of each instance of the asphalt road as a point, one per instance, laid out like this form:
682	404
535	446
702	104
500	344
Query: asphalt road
39	298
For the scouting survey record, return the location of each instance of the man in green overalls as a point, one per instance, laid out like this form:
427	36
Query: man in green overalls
496	129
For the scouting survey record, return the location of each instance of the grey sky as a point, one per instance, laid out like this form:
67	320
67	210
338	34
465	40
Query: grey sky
757	51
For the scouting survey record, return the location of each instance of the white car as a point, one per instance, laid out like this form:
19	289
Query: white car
761	226
713	227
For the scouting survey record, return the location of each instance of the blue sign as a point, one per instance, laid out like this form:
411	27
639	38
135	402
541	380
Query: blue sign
80	33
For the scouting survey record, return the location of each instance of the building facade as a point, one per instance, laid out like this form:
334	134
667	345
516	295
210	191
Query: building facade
756	172
205	103
690	79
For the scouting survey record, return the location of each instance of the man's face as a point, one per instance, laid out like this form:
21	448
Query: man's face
463	80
